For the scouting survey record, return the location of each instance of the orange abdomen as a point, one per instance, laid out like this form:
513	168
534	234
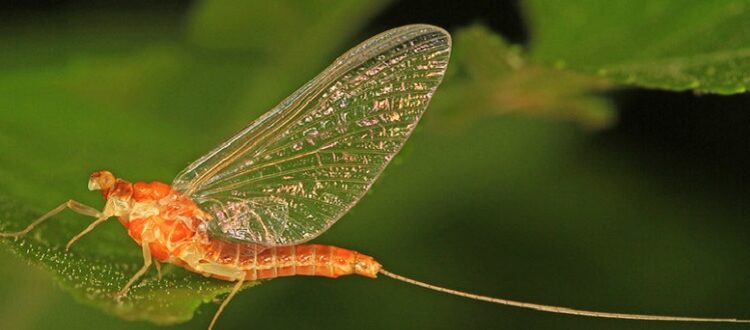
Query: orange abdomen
313	260
304	259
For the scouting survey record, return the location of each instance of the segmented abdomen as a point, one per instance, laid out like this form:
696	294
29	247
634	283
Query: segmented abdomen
264	263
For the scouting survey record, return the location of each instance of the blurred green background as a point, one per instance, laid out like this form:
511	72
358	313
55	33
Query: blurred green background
536	175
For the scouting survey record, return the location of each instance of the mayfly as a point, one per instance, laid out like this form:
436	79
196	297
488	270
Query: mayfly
245	210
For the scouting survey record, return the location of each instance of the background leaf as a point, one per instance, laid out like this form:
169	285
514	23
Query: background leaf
498	79
668	44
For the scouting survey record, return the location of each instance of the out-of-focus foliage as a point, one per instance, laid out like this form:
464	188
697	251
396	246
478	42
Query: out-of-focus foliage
124	105
264	27
289	41
667	44
488	77
504	204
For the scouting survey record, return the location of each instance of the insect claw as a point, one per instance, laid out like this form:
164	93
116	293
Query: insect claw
117	296
70	243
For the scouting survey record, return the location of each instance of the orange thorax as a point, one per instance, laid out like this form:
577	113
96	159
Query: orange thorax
156	214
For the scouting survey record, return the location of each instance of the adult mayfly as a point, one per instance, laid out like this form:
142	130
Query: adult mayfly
245	210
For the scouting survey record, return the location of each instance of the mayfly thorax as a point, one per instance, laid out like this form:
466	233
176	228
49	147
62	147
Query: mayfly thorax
245	210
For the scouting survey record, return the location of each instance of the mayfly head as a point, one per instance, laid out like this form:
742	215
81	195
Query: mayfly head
101	180
117	192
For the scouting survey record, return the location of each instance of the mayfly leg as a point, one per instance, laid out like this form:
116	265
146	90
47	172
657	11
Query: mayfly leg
226	301
158	268
146	264
72	205
99	219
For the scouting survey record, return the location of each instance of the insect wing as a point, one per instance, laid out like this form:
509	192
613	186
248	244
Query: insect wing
297	169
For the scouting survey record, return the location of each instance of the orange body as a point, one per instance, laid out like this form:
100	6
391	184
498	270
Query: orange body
173	226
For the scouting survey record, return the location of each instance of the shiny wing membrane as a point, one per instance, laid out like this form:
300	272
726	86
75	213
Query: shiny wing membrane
297	169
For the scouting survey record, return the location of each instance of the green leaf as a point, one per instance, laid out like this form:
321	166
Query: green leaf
105	110
487	77
667	44
105	259
93	272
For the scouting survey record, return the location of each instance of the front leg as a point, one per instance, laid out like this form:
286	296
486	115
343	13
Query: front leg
139	273
71	204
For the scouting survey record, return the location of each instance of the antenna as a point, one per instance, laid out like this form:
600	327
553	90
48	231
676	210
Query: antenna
558	309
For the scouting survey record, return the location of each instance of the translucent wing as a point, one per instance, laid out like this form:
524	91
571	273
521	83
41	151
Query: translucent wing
297	169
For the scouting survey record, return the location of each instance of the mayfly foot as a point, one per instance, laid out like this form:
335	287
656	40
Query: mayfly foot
15	235
117	296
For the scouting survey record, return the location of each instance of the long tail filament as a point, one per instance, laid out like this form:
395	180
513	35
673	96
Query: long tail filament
558	309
